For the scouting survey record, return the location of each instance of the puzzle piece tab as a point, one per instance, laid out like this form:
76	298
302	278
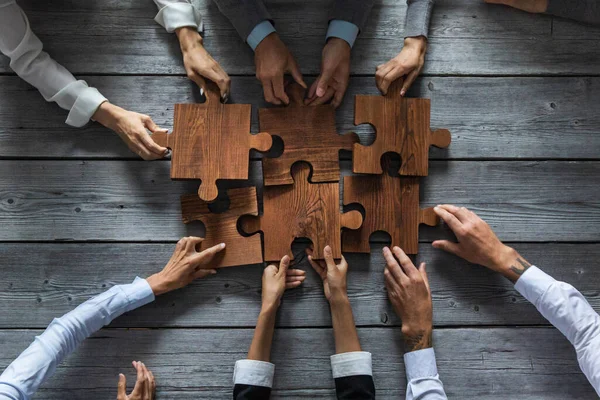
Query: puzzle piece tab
301	210
401	126
309	134
392	205
211	141
222	227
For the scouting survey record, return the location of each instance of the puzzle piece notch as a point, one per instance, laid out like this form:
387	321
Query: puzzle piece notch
391	205
222	227
301	210
401	126
309	134
211	141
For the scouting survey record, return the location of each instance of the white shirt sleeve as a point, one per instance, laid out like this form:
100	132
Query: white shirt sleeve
421	373
31	63
174	14
566	309
38	362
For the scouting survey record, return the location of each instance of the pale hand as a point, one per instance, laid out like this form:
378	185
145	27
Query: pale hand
532	6
409	62
477	243
132	128
186	264
199	64
273	60
409	293
335	73
145	386
276	280
333	275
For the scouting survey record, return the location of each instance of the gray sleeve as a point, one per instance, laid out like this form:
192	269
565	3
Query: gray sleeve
579	10
354	11
244	15
417	17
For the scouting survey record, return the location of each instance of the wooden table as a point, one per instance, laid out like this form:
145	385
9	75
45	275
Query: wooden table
80	213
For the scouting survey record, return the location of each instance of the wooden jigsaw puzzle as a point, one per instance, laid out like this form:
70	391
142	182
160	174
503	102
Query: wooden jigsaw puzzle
309	134
401	126
301	210
222	227
211	141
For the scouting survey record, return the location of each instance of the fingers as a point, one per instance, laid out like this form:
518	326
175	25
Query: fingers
294	278
447	246
223	81
405	261
207	255
462	213
409	81
268	92
138	389
449	218
317	101
122	388
391	77
152	384
318	267
381	71
279	89
423	271
311	92
295	72
151	144
203	273
198	80
323	82
328	255
283	265
393	266
147	384
338	97
192	242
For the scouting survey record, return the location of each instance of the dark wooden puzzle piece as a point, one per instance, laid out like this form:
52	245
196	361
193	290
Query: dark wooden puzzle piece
211	141
301	210
309	134
401	126
391	205
222	227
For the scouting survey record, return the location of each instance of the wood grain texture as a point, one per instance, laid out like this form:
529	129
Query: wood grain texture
391	204
555	118
309	134
211	141
498	363
222	227
45	280
136	201
301	210
401	126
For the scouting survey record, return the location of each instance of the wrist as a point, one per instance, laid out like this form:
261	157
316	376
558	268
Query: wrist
267	42
107	114
338	298
189	38
269	308
416	338
417	42
157	284
503	259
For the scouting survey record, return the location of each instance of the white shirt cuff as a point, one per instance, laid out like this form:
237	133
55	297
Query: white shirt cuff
342	29
533	284
87	102
420	364
179	15
351	363
259	32
139	293
253	372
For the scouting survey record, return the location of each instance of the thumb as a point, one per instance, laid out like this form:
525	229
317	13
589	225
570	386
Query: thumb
324	82
448	246
296	74
423	271
152	127
329	257
121	388
283	265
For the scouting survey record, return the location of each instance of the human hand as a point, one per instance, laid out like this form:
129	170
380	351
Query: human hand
273	60
185	265
332	274
477	243
409	62
199	64
145	386
335	72
132	128
408	291
276	280
532	6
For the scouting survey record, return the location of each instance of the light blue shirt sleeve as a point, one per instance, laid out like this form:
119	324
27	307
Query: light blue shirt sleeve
259	32
568	310
421	373
38	362
342	29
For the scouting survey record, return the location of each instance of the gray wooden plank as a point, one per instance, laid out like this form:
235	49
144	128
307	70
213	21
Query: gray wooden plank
569	29
42	281
532	363
136	201
553	117
467	37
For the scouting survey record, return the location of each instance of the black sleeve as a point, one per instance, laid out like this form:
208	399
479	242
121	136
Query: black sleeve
356	387
252	380
250	392
353	375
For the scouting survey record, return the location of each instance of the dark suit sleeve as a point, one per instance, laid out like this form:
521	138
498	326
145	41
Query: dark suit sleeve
252	380
353	11
244	15
353	376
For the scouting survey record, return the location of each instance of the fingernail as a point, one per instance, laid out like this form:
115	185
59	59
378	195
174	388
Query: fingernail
402	93
222	245
213	272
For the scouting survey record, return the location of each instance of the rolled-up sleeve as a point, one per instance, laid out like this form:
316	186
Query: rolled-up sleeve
353	375
252	380
418	16
175	14
421	373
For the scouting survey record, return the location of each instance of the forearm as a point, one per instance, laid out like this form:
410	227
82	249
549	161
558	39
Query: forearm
418	16
353	11
260	349
344	328
244	15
